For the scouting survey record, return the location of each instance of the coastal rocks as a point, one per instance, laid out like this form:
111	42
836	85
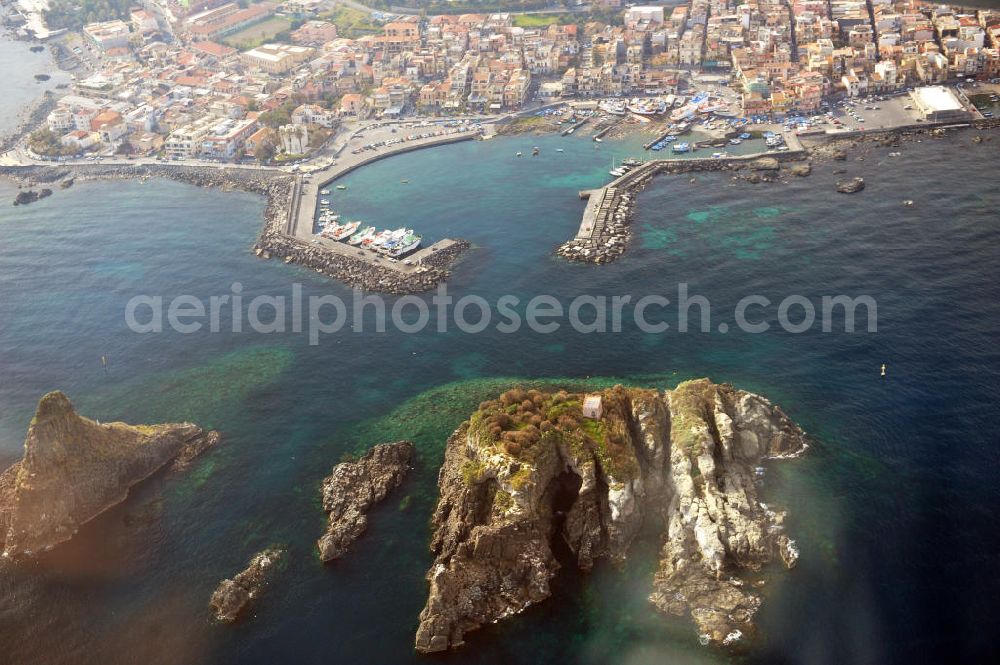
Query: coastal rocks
354	487
529	469
765	164
850	186
801	170
233	596
30	196
75	468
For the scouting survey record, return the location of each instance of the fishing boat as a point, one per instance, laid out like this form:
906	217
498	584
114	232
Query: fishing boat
560	150
361	236
618	172
341	187
390	240
376	239
344	231
324	202
404	181
681	147
403	245
535	151
324	192
744	136
735	141
518	154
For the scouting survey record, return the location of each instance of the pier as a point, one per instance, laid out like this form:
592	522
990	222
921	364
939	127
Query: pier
576	126
603	233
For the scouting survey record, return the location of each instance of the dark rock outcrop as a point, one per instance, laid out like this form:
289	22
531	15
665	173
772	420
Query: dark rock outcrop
27	196
529	468
352	488
800	170
74	469
851	186
232	596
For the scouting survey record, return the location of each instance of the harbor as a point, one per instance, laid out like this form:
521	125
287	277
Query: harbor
383	267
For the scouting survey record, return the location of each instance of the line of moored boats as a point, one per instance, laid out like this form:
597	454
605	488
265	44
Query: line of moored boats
393	243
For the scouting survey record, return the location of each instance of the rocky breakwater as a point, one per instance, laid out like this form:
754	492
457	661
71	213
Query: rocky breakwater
74	469
352	488
364	272
605	233
233	596
531	467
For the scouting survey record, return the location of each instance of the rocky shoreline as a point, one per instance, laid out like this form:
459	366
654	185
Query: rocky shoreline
530	467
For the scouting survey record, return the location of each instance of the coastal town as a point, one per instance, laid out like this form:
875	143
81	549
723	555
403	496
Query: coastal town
287	98
276	83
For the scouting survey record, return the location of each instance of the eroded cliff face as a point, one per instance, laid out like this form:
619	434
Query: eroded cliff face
73	469
529	468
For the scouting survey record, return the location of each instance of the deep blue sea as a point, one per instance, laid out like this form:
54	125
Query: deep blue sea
895	506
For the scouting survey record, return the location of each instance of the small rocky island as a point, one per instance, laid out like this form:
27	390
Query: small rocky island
74	469
352	488
531	467
233	596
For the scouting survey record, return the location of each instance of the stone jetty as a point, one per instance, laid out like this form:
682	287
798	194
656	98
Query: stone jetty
604	231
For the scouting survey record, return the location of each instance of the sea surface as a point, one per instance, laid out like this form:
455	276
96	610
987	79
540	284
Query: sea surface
894	507
19	87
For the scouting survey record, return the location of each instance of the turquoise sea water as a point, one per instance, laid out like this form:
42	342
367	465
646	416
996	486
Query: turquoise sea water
894	506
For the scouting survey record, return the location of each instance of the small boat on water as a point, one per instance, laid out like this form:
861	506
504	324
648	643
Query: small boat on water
324	192
745	136
560	150
341	187
404	181
535	151
681	147
324	202
518	154
735	141
598	139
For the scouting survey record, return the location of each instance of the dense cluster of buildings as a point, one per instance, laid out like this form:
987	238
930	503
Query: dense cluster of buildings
191	95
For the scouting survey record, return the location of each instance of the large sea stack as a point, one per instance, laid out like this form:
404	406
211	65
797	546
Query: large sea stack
74	469
533	466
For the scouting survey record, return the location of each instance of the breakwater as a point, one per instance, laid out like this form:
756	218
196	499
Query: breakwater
277	239
604	231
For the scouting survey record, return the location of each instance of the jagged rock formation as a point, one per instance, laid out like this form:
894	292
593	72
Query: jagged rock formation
352	488
74	469
233	595
529	468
